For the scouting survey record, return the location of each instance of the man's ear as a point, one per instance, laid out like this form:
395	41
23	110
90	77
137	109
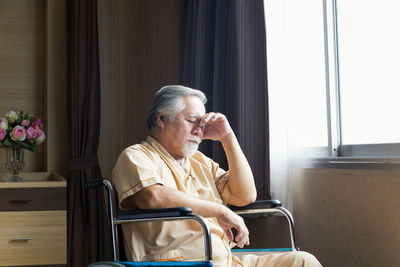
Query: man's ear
160	120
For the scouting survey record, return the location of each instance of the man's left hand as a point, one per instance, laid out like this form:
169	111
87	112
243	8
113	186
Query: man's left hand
216	126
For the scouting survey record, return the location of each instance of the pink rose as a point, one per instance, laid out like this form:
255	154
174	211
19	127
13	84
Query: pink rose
31	133
39	130
3	134
25	123
37	127
18	133
40	138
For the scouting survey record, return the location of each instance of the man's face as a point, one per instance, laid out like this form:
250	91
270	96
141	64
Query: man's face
183	135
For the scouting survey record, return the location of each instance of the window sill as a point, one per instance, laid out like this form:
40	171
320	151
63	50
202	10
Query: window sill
389	163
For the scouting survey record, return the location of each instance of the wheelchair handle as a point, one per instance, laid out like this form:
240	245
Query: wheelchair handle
95	184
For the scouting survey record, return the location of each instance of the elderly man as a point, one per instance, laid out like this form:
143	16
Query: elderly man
166	170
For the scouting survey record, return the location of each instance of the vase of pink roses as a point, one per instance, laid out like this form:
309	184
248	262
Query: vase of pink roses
19	132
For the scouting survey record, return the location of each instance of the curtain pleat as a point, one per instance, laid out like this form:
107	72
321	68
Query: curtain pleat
88	235
223	53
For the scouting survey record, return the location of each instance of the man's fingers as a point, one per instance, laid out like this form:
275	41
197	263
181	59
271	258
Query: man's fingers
242	238
211	116
229	234
231	220
206	118
243	241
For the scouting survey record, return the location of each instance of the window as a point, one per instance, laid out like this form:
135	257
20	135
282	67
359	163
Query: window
335	65
369	64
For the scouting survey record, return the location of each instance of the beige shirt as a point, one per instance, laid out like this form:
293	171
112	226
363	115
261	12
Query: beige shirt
149	163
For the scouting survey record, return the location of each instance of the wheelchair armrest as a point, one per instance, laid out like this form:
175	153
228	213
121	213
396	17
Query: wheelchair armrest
264	209
154	213
258	209
259	204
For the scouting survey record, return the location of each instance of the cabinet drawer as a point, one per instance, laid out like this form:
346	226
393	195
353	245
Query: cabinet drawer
25	199
33	238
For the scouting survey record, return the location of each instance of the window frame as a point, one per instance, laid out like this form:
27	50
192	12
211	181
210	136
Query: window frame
335	147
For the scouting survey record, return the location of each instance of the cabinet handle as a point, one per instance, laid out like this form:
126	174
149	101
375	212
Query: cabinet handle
19	201
21	239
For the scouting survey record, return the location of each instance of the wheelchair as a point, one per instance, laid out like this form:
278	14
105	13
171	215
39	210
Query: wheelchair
258	209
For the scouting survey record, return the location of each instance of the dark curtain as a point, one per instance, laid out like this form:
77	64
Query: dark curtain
88	238
223	53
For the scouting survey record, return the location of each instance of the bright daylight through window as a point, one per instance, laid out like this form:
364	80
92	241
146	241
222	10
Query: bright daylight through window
369	66
334	65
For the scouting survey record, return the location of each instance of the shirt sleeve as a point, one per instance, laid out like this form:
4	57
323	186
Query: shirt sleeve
135	169
221	181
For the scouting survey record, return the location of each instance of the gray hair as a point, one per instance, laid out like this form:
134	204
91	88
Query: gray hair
169	101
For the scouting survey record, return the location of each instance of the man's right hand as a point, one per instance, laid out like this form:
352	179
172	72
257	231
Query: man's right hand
229	220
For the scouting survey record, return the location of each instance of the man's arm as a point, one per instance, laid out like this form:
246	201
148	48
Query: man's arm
159	196
241	181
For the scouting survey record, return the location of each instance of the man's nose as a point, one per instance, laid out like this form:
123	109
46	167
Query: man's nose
198	128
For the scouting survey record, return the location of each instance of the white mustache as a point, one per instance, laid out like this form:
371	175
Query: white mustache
194	138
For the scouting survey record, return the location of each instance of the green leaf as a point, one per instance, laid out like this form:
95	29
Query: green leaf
29	146
23	145
32	147
7	141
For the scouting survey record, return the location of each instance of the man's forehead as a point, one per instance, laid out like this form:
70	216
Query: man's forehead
193	106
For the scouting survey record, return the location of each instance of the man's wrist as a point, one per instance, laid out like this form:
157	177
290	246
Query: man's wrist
222	211
227	138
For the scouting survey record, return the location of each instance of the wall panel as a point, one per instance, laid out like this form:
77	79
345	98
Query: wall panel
22	65
348	217
138	55
33	74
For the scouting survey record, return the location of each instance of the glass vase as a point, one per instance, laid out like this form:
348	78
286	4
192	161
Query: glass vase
15	162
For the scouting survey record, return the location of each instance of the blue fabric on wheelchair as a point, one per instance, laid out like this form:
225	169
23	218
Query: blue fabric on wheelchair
165	264
261	250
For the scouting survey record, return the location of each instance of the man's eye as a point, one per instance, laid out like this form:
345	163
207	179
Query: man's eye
191	121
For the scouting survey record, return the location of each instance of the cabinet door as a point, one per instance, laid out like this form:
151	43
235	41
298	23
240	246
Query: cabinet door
33	238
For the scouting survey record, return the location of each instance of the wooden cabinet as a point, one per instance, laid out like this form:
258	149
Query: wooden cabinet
33	221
